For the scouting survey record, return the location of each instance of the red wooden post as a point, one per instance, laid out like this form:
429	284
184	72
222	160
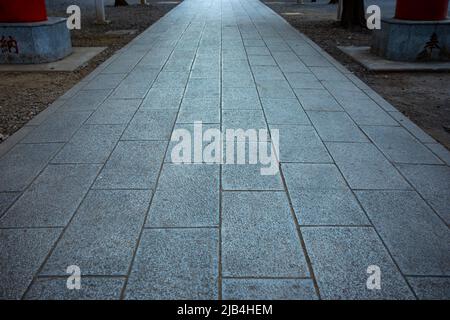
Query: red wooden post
421	10
22	11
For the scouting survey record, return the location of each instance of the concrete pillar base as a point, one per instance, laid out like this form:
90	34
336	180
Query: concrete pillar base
402	40
36	42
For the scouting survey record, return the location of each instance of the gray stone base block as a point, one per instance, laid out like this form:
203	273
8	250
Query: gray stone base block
37	42
372	62
421	41
79	57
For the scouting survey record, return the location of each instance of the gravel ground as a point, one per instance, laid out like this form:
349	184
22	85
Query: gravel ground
424	97
24	94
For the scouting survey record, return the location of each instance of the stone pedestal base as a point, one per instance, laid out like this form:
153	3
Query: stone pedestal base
402	40
36	42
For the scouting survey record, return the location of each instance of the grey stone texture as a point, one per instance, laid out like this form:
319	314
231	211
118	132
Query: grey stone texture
320	195
22	251
431	288
433	183
91	144
92	288
176	264
187	196
91	181
260	243
7	199
103	234
336	126
301	144
52	198
340	257
133	164
23	163
115	111
364	167
417	239
268	289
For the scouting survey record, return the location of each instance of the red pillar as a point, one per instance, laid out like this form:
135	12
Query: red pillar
421	10
22	11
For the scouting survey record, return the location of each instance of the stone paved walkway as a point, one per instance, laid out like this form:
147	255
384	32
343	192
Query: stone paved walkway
89	182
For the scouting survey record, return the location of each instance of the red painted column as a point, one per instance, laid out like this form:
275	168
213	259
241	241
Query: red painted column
22	11
421	10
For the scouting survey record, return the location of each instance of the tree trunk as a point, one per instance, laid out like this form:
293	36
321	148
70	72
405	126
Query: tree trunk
118	3
353	13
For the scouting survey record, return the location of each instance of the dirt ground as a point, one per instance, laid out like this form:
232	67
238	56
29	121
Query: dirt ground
422	96
24	94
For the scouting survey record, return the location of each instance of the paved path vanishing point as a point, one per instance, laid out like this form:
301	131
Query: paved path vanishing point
89	182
